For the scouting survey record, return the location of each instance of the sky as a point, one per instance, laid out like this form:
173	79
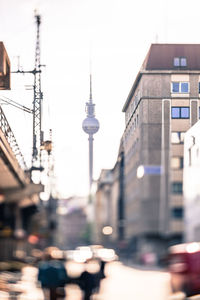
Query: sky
109	38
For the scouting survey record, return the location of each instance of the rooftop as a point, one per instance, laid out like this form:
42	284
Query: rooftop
168	57
161	56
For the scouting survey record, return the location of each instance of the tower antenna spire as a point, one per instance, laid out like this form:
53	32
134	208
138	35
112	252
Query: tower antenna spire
90	99
90	87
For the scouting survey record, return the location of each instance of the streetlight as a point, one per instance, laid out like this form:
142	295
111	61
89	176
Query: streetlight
107	230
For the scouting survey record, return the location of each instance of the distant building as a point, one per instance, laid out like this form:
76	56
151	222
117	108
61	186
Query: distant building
117	193
71	223
162	105
109	202
103	203
191	185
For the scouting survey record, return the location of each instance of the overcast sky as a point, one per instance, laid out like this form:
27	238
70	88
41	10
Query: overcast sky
116	34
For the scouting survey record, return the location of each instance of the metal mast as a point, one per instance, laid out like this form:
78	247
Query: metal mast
37	103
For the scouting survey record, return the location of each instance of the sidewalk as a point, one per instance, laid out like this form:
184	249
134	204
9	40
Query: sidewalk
20	285
150	267
24	286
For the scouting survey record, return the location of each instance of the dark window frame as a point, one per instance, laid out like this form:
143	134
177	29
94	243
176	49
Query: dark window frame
177	188
180	83
180	62
177	212
180	114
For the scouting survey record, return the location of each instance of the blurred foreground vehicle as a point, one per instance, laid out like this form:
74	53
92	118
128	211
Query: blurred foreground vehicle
106	254
184	268
84	253
80	254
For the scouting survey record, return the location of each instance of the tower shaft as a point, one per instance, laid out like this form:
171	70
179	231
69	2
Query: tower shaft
90	139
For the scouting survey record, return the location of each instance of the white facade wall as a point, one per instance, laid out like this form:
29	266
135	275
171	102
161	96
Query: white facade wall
191	183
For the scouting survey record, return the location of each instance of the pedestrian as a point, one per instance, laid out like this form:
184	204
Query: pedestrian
87	284
53	277
98	276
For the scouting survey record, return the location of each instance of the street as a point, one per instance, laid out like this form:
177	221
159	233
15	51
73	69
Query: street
121	282
130	283
99	150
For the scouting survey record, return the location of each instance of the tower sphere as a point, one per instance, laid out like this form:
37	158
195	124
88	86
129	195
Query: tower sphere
90	125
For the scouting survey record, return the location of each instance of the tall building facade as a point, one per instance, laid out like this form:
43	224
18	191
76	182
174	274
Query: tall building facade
191	186
162	105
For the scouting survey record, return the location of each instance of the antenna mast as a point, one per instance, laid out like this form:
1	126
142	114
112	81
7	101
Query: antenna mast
37	103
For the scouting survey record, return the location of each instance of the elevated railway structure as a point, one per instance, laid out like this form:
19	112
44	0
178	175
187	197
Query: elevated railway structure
15	182
18	194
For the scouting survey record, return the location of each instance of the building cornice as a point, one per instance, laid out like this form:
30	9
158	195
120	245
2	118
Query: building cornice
160	72
154	72
132	91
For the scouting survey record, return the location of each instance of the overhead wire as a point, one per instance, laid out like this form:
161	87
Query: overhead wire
16	104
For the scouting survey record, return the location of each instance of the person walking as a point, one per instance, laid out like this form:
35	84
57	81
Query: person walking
87	284
53	276
99	275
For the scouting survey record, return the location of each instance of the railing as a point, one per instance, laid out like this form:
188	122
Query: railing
5	127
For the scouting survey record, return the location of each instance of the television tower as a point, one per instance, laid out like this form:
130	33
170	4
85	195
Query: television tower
90	125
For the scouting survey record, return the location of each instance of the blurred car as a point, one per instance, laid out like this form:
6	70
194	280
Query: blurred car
106	254
55	252
83	253
80	255
184	268
94	249
69	254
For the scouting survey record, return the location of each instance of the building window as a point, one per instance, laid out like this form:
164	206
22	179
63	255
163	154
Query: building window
180	112
176	61
177	137
185	112
180	62
177	212
183	61
177	163
180	87
177	188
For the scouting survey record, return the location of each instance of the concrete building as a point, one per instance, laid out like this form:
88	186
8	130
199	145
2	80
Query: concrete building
191	186
103	204
114	218
117	196
109	202
71	230
162	105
